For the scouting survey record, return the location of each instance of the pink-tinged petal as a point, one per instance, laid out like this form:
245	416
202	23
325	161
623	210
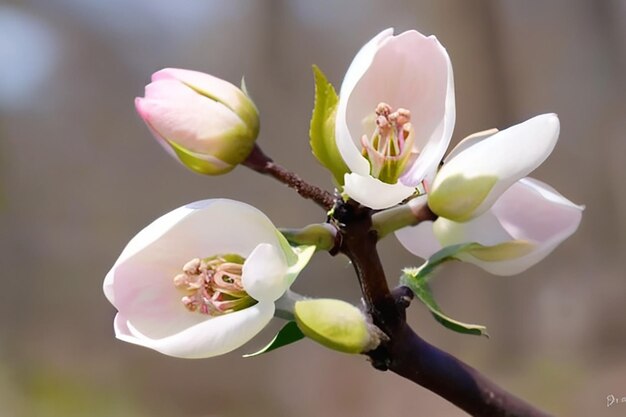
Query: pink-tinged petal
141	241
529	211
169	90
532	210
213	87
143	113
192	121
209	337
419	240
373	193
348	148
471	182
468	141
264	274
485	229
431	154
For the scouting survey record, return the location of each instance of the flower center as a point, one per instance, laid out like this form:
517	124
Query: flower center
213	286
390	147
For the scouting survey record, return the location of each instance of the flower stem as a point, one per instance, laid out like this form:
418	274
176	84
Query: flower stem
259	162
395	218
321	235
285	305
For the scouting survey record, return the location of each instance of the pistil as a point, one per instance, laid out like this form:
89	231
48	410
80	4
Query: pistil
390	147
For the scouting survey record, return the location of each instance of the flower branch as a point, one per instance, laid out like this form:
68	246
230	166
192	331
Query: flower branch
413	213
405	353
259	162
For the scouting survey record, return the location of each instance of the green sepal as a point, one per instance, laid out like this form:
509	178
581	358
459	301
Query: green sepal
202	164
322	129
290	333
417	280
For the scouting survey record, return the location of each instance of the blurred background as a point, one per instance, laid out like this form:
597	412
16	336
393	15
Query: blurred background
80	175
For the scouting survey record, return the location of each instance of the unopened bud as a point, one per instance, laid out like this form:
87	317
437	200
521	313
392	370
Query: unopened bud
337	325
207	123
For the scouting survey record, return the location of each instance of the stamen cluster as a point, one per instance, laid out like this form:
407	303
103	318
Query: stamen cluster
390	147
213	285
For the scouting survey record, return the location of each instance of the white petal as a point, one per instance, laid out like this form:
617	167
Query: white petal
373	193
419	240
349	150
468	141
504	158
485	229
529	211
211	337
534	211
432	152
140	283
141	240
264	273
362	61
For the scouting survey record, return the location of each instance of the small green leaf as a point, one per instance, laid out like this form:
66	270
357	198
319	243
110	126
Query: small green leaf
290	333
417	280
322	130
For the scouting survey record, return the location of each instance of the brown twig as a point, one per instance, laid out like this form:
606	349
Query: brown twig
405	353
263	164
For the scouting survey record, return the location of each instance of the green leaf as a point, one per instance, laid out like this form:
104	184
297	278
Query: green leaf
322	130
417	280
290	333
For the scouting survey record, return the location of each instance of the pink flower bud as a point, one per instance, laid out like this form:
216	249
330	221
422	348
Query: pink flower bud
206	123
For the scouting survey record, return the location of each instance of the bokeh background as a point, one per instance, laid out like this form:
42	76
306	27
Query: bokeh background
80	175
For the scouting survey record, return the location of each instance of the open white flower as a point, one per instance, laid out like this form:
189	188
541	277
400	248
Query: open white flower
395	116
527	222
201	280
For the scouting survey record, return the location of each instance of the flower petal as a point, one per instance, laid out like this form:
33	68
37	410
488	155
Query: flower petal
206	84
419	240
349	151
193	121
373	193
485	229
435	147
211	337
141	240
468	141
496	162
533	210
264	273
529	212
